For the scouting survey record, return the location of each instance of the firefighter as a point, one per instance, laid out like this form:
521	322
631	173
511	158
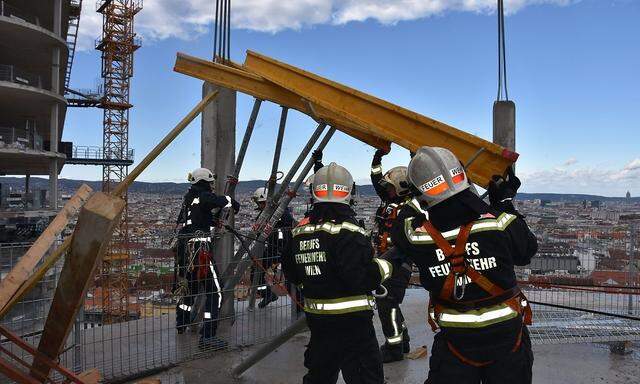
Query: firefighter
197	272
332	260
466	252
393	190
273	247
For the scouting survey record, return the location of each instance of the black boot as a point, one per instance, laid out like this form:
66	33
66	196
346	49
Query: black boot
391	353
406	347
268	298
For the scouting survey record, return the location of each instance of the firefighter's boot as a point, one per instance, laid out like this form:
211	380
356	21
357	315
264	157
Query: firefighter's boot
392	352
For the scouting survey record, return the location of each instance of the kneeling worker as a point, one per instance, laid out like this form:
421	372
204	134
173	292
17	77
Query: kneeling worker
331	259
466	252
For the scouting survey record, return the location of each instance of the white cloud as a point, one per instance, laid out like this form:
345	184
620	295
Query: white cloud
571	161
187	19
608	182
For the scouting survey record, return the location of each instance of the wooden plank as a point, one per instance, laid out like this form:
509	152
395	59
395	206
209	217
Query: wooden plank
91	237
233	76
11	284
402	126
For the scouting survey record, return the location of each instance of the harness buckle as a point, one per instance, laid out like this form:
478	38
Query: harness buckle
463	286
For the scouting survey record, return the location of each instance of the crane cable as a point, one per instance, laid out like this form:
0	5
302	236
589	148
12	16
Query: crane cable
502	59
222	31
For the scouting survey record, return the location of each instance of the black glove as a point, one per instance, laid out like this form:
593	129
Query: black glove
503	190
235	205
377	157
317	155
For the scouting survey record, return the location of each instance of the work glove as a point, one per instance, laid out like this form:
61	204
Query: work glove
377	157
235	205
317	155
502	190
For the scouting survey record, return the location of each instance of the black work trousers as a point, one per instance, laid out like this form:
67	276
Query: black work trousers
209	286
513	368
348	345
391	318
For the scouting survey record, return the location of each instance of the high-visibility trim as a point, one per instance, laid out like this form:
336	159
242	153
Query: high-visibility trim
376	170
339	306
394	340
420	237
189	222
185	307
216	282
229	205
280	234
476	318
194	239
415	204
195	201
331	228
207	315
386	268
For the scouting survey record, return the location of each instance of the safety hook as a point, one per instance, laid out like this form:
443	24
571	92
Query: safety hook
463	285
382	295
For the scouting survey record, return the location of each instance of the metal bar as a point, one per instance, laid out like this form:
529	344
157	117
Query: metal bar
120	189
271	184
231	186
233	76
386	120
631	266
273	219
299	326
287	179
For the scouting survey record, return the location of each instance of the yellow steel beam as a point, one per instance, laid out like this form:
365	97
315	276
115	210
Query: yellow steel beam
385	120
233	76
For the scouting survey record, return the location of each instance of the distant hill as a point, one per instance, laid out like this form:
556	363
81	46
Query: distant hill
69	185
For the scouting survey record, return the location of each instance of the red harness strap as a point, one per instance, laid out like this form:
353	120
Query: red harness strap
460	267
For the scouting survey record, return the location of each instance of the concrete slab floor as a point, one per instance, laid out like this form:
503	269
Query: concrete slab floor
554	364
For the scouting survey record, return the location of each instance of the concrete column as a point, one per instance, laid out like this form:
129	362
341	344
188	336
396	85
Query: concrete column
218	148
57	17
53	165
504	124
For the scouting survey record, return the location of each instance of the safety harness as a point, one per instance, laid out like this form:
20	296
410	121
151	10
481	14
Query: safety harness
448	309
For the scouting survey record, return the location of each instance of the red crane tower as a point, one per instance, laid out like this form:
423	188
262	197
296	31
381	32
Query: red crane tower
118	43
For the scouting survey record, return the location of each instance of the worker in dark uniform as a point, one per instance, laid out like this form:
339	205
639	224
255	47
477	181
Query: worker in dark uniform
466	252
274	246
332	260
197	272
393	190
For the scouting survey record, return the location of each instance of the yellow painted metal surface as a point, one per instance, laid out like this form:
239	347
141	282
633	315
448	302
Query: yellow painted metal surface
385	120
232	76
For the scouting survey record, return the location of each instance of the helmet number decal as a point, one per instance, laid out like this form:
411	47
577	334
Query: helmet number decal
457	175
435	186
321	190
341	190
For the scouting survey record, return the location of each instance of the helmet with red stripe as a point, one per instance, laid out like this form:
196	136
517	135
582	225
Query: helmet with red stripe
332	184
437	174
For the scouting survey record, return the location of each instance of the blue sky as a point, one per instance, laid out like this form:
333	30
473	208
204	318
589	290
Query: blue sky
573	73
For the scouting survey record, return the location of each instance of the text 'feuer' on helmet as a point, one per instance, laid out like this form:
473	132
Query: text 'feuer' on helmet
437	174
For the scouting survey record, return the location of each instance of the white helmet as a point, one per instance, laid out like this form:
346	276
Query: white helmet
260	195
397	177
201	174
332	184
437	174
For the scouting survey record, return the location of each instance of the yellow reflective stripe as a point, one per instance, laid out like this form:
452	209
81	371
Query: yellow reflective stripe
340	305
419	237
377	169
394	340
476	318
385	268
331	228
194	239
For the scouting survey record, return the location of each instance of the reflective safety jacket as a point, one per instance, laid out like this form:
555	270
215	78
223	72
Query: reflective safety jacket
196	213
479	321
333	263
